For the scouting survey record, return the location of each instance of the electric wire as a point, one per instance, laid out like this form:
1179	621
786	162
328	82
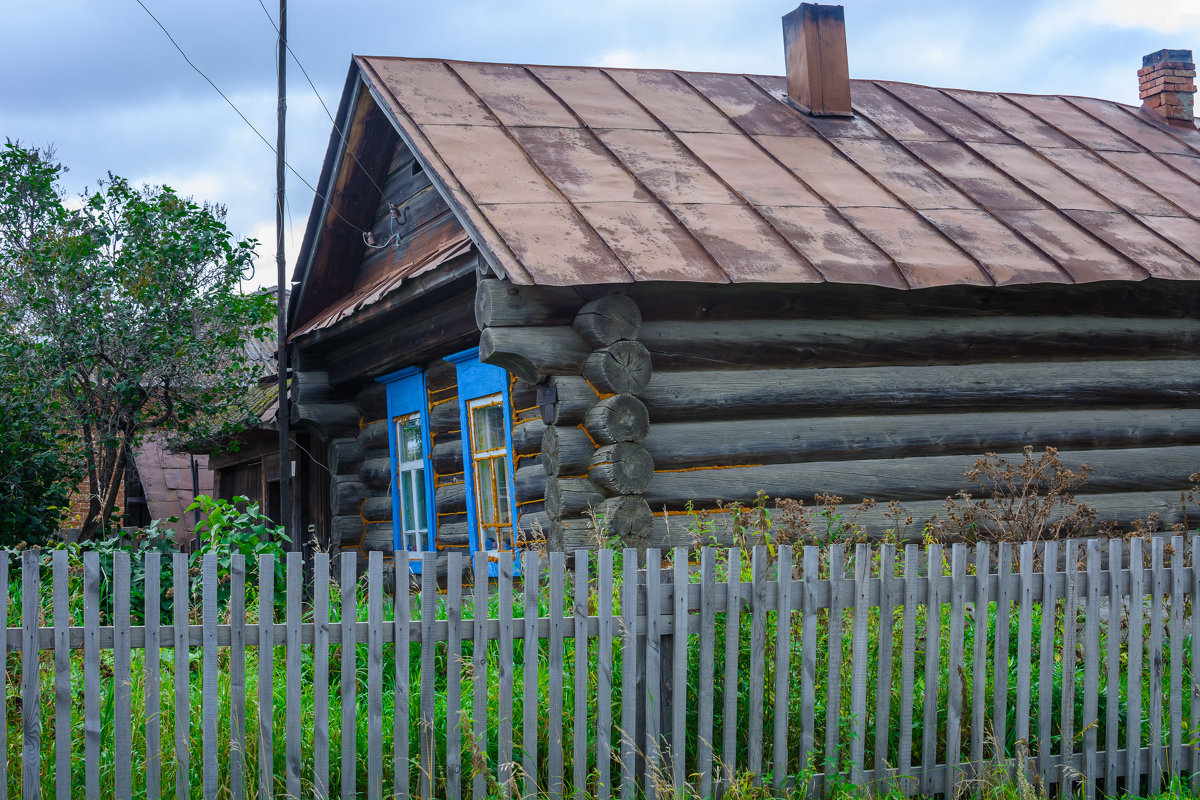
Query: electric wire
271	147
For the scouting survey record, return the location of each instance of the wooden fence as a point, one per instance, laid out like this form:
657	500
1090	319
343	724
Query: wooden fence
918	670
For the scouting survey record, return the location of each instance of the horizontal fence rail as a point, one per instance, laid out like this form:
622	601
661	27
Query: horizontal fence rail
924	670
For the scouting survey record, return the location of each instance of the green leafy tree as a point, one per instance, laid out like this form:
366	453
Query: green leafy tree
130	302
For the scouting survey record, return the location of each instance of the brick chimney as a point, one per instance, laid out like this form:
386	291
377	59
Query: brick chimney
1167	81
818	75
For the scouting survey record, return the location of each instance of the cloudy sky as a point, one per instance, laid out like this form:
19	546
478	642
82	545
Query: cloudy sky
101	82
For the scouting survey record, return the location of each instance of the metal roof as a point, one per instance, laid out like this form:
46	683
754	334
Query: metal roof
576	175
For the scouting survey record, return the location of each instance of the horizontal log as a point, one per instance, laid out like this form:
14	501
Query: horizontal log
607	320
371	400
573	396
347	530
534	354
440	375
621	368
376	474
566	451
571	497
345	456
447	456
450	497
328	420
523	396
453	534
620	418
379	537
312	387
769	441
346	495
377	509
801	342
527	437
444	416
622	468
569	535
704	528
532	527
530	483
921	478
503	304
676	396
374	436
699	302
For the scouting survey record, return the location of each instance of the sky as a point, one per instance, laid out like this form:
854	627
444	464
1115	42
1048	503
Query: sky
101	82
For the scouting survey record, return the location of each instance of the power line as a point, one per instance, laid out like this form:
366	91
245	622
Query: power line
250	125
320	99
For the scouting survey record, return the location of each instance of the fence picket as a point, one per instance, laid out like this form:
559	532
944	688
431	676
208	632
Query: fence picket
729	697
954	691
908	660
933	651
651	745
62	679
208	688
479	662
679	669
708	634
1000	650
1158	579
428	649
555	660
4	557
1046	658
294	619
883	687
783	665
504	677
320	564
1067	704
1024	640
1194	683
1133	681
979	645
183	691
758	656
152	597
348	586
454	716
604	676
833	670
1112	687
374	675
266	672
629	644
579	754
858	663
1175	637
31	695
91	672
237	672
400	744
1091	669
531	575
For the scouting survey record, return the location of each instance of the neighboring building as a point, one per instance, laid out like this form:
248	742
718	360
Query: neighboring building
631	290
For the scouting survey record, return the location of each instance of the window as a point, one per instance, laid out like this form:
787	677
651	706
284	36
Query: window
489	461
486	418
412	478
410	481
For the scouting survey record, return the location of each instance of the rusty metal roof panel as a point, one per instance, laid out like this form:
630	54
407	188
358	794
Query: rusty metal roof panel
595	98
742	164
752	111
744	244
577	175
514	95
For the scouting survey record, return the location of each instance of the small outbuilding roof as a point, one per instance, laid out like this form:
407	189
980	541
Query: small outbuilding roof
570	175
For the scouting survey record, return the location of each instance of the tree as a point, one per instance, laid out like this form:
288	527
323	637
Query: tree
130	304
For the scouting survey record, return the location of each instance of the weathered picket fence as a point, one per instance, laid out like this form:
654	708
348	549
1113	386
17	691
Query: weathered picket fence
1073	660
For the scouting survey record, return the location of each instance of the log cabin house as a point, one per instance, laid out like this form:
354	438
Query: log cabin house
529	292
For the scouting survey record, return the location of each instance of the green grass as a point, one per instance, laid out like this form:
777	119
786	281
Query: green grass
472	751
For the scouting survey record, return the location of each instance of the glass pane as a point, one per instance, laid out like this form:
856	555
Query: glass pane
488	427
410	439
498	466
407	500
419	495
487	499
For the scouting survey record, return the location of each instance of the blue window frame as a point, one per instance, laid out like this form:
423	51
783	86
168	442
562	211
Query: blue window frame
414	521
486	413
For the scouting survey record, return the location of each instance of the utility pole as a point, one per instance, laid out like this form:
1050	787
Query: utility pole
285	460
